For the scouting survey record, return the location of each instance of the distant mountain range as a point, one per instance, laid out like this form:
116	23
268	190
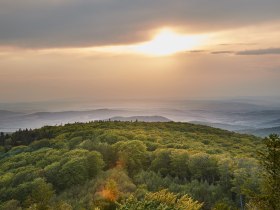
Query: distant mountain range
233	116
11	121
262	131
141	119
222	126
4	113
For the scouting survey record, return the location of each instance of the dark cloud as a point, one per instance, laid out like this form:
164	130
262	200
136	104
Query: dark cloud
268	51
222	52
57	23
230	44
197	51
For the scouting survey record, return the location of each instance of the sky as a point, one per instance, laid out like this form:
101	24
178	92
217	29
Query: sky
124	49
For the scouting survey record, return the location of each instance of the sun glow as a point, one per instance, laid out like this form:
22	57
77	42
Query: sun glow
165	42
168	42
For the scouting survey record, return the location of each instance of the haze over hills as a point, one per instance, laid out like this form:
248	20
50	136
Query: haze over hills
240	116
141	119
263	132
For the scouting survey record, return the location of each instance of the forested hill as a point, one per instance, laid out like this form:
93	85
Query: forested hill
121	165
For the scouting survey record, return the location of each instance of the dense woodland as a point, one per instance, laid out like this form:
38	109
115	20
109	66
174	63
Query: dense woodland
138	165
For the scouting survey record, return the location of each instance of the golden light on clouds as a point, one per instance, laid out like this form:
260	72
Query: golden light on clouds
168	42
165	42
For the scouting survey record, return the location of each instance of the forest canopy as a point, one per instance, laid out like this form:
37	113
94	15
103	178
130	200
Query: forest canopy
130	165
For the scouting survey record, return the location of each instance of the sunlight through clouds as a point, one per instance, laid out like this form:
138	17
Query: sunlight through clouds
165	42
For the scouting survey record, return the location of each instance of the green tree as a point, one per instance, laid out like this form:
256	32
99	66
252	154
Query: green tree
73	172
41	194
132	155
11	205
161	162
161	200
179	164
204	168
2	139
246	180
270	160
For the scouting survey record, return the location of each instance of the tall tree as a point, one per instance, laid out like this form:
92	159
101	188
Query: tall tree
2	139
270	160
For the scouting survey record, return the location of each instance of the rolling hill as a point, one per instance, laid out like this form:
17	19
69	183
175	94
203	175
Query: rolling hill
101	164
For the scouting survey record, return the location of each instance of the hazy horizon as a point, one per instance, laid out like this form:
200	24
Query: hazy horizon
82	104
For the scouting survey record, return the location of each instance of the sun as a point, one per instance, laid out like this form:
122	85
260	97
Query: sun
168	42
164	43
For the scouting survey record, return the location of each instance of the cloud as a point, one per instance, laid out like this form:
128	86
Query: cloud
268	51
223	52
197	51
69	23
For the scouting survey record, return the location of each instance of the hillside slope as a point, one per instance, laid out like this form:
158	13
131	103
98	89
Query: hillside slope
100	164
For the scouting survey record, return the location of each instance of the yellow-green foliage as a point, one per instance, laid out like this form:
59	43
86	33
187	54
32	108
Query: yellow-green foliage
100	164
161	200
170	199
